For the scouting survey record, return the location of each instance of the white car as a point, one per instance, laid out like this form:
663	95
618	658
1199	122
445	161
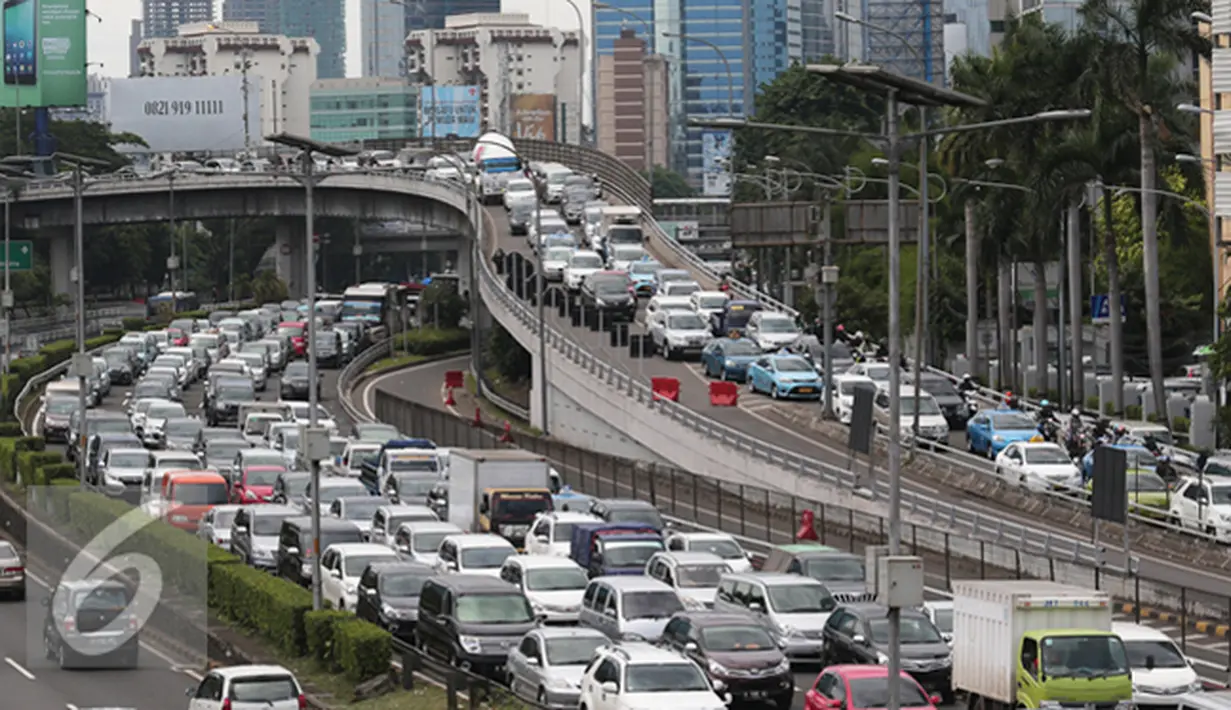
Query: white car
844	387
519	190
1037	465
679	288
555	261
659	304
772	331
301	410
1160	670
552	533
878	372
693	575
259	686
932	423
581	264
156	416
677	333
482	554
707	303
941	614
420	540
637	675
622	256
342	565
715	543
1203	504
553	585
256	365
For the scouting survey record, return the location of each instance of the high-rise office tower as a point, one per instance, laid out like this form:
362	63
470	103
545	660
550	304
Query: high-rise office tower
431	14
162	18
914	41
816	27
383	38
258	11
134	40
322	20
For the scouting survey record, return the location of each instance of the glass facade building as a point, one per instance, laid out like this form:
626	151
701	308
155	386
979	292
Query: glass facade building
351	110
323	20
431	14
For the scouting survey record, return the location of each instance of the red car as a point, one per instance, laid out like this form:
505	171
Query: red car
255	484
863	688
177	337
298	331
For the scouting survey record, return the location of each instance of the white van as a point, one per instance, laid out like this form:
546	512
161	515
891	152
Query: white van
932	423
1160	670
555	175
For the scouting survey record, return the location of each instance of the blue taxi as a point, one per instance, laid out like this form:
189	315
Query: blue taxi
990	430
729	358
784	377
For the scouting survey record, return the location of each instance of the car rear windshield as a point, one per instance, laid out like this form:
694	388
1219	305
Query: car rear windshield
263	689
200	494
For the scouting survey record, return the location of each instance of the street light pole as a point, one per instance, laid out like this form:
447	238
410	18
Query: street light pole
721	55
581	70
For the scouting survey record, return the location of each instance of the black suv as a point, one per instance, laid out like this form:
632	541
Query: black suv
78	633
472	621
294	555
859	634
623	510
611	293
295	382
736	649
224	397
389	595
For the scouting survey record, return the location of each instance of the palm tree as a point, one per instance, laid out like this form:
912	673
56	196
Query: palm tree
1127	34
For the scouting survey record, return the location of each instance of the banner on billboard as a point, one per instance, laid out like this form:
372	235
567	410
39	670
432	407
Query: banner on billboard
450	111
716	163
534	116
44	53
186	113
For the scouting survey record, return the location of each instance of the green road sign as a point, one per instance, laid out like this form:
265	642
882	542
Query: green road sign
21	255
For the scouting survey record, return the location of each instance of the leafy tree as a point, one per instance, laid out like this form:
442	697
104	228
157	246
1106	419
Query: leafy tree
441	305
668	184
268	288
507	356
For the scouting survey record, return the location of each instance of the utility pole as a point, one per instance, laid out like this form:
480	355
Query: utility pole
243	64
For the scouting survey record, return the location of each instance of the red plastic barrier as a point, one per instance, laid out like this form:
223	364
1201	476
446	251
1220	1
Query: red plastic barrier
454	378
665	388
724	394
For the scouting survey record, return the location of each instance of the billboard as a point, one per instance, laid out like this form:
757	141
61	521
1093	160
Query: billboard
716	163
534	116
450	111
44	53
186	113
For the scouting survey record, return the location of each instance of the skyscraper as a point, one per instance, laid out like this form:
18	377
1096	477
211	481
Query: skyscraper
921	23
431	14
322	20
383	36
258	11
816	27
134	41
162	18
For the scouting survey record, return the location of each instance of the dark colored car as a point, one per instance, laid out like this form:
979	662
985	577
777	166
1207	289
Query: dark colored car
954	406
80	615
730	323
293	559
389	595
295	382
611	293
811	347
520	218
121	365
619	510
490	615
859	634
107	440
224	397
840	571
328	349
736	649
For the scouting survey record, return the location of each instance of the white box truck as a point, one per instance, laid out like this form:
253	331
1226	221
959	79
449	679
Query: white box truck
1036	644
498	490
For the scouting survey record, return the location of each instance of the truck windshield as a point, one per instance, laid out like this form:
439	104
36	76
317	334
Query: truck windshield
520	505
1082	656
413	465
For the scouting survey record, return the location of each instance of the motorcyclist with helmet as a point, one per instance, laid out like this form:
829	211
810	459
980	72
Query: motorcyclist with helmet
1073	434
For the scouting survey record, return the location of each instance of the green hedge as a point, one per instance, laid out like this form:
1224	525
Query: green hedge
318	632
133	323
49	473
361	649
28	463
432	341
259	602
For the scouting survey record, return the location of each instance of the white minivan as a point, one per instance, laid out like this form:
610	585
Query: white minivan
932	423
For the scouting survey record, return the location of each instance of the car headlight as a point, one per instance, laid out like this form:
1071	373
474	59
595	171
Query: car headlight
783	667
998	439
693	604
560	684
729	363
789	632
262	553
717	668
391	612
1195	686
470	644
881	658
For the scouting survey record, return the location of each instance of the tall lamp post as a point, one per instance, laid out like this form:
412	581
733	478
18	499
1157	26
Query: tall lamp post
581	71
725	62
897	88
315	439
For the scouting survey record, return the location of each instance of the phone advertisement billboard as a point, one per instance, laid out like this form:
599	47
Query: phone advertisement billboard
449	111
534	116
44	53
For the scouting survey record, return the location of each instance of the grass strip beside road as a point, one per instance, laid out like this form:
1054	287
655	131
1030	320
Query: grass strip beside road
393	363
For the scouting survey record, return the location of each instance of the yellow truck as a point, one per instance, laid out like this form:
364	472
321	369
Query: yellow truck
1037	644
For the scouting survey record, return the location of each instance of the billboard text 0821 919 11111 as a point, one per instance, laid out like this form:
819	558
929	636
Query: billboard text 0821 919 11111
44	53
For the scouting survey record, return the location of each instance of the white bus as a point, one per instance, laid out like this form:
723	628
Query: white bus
381	305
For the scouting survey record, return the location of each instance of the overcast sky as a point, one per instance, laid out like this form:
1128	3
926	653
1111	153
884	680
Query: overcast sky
109	39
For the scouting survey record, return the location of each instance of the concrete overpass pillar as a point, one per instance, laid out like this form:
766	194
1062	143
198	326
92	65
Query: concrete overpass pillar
61	261
537	414
291	258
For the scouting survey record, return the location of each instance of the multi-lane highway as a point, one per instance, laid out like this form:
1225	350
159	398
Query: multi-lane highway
29	681
422	384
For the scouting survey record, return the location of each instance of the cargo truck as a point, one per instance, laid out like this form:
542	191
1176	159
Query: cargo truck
398	456
1037	644
499	491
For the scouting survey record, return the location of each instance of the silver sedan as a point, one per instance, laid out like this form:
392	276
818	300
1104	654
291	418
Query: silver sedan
12	572
548	664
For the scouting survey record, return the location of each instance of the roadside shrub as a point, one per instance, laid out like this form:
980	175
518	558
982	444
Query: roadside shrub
28	462
1092	403
49	473
101	341
361	649
8	458
1181	424
432	341
57	352
319	634
27	367
133	323
1132	411
267	605
31	443
1109	409
10	429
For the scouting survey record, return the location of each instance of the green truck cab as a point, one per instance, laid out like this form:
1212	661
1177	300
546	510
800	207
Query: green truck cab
1072	667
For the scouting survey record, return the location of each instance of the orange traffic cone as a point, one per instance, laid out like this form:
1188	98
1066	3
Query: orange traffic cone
449	401
507	436
478	417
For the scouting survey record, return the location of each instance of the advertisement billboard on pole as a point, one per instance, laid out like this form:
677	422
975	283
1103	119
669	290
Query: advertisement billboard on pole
446	111
534	116
44	53
716	163
187	113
